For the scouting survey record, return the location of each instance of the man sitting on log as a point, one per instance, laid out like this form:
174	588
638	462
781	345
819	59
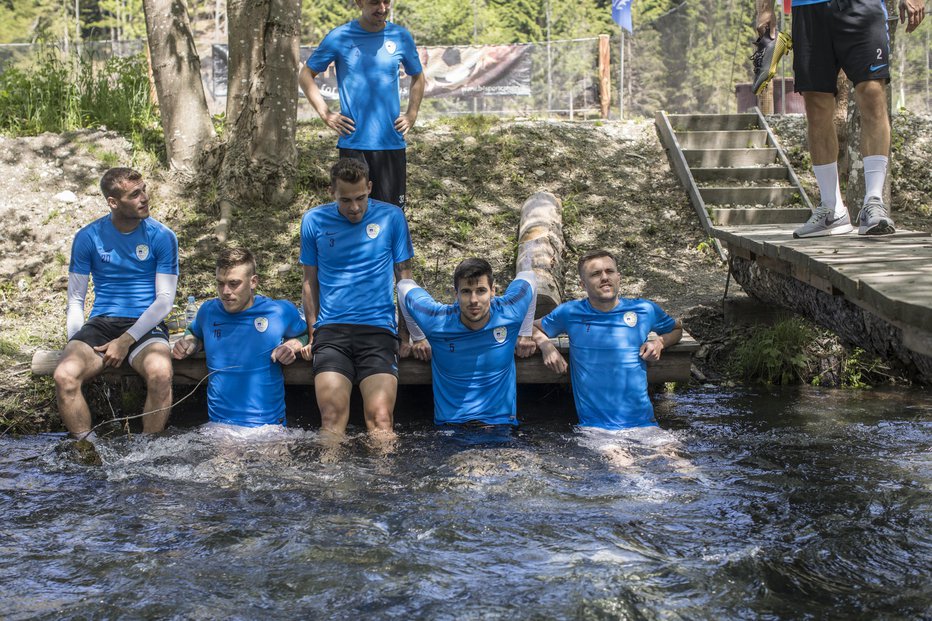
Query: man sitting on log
133	261
609	349
473	343
246	337
353	251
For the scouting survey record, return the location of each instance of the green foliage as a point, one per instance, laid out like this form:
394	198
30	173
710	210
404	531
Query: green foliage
775	355
54	93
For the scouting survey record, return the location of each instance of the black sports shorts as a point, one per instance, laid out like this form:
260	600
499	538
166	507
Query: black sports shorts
841	34
355	351
388	172
99	330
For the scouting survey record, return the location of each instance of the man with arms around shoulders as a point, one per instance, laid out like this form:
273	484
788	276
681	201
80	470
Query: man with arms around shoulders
246	337
609	349
133	261
367	52
353	250
851	35
473	342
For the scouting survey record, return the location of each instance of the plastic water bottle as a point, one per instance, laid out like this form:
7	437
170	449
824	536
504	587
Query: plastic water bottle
190	311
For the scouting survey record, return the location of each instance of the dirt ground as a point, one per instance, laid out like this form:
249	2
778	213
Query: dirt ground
467	180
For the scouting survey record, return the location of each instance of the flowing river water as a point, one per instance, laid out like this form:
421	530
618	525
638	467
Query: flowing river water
750	504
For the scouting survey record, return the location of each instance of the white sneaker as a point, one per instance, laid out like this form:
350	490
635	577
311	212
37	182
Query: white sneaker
873	218
823	222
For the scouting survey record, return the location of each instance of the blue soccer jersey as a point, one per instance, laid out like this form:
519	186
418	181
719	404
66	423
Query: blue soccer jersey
356	262
473	370
609	377
246	387
123	265
367	75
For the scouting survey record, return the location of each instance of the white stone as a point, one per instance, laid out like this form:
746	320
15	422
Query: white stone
66	197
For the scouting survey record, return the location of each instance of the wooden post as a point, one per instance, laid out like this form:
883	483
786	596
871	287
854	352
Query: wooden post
605	75
765	99
540	247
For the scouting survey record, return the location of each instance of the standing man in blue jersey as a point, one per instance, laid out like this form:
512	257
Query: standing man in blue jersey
609	350
353	251
829	35
246	337
133	261
367	52
473	342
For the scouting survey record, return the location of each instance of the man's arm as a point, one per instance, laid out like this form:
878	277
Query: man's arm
419	349
115	351
186	346
914	11
310	300
415	94
418	338
766	19
288	352
342	125
527	346
77	294
552	357
650	351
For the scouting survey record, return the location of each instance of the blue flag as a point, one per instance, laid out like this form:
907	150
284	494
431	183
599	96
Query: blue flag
621	13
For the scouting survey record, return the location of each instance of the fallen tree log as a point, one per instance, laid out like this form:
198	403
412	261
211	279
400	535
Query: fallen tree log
540	247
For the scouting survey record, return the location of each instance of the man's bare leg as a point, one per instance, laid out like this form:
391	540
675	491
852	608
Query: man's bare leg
871	98
820	118
79	364
378	398
154	364
333	398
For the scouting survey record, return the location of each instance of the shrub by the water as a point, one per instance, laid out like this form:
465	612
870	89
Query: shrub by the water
776	355
55	93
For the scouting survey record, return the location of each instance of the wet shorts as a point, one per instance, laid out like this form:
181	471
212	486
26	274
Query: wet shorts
841	34
388	172
355	351
99	330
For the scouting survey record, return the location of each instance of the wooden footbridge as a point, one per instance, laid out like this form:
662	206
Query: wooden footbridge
749	200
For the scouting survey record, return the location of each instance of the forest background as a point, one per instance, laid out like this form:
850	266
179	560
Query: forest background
682	56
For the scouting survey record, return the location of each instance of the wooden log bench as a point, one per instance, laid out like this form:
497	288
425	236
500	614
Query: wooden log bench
673	366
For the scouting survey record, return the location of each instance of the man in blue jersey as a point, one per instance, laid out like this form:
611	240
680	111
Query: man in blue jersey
367	52
473	342
609	349
829	35
246	337
133	261
353	250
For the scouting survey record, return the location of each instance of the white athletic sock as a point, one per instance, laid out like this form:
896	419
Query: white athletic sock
875	173
830	192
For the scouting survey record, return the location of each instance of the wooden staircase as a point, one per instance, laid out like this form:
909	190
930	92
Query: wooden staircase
733	168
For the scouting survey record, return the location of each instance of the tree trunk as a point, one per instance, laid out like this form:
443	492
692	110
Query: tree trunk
260	155
176	69
541	246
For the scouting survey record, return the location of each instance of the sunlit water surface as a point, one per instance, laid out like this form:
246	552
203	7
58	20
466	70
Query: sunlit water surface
750	505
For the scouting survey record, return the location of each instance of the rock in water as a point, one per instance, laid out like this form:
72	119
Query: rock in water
80	451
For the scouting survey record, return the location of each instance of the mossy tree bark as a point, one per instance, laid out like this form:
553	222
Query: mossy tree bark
259	160
176	70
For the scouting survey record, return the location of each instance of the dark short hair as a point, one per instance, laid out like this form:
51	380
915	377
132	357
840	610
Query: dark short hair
593	254
231	257
349	170
471	269
113	179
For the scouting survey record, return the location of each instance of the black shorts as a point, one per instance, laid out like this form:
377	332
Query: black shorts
388	172
841	34
99	330
355	351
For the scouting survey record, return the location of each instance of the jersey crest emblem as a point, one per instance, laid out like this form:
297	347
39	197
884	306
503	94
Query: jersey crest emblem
142	252
261	324
390	47
631	319
500	333
373	230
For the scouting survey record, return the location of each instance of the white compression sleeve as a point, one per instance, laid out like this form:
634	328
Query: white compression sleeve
77	293
165	286
527	325
404	287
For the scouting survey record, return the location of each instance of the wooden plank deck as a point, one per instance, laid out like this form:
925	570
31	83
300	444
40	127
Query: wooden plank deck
673	366
890	275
